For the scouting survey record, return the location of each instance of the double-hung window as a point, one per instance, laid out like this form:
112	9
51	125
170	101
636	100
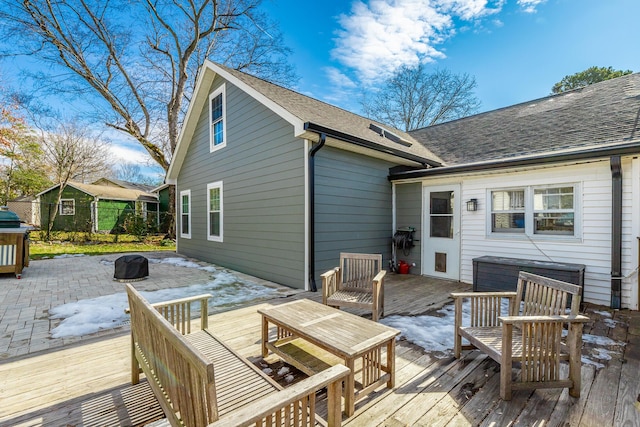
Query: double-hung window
553	211
217	119
535	211
185	214
67	207
214	211
507	211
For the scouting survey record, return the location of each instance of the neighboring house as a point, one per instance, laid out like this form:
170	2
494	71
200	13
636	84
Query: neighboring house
164	197
89	207
275	184
27	209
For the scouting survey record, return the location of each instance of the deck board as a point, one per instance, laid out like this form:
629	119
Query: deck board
89	383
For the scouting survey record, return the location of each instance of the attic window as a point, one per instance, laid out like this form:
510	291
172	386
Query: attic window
389	135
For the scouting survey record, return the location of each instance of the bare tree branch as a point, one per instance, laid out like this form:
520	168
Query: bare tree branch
413	98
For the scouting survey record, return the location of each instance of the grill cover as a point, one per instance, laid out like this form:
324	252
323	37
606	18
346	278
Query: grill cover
131	267
8	219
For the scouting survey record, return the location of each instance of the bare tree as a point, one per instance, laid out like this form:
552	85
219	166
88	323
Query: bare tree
140	57
73	154
414	98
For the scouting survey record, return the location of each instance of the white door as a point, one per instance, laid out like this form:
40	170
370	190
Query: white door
441	236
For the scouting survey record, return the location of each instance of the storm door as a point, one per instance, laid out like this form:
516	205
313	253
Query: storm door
441	239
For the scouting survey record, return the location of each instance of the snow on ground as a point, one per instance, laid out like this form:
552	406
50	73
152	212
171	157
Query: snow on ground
106	312
434	333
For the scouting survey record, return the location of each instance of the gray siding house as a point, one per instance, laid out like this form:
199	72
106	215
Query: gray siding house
276	184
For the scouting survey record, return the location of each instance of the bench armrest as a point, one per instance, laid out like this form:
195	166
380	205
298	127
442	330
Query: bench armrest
484	307
504	294
259	410
178	312
519	320
331	283
379	277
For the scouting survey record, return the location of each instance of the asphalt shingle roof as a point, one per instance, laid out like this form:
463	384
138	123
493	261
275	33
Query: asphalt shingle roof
112	192
596	115
312	110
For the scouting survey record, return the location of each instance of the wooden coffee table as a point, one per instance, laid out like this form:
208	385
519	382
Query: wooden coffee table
313	336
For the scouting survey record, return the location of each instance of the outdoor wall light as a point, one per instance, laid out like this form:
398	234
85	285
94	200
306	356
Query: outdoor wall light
472	205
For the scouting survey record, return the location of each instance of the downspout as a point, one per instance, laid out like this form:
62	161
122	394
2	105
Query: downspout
616	232
312	212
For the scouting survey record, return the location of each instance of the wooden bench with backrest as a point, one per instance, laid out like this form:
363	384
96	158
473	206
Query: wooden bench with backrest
358	282
529	331
199	380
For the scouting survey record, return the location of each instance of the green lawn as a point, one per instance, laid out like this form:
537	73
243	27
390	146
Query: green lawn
94	244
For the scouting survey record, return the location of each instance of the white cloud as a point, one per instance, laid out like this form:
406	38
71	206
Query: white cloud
338	78
377	38
530	6
129	153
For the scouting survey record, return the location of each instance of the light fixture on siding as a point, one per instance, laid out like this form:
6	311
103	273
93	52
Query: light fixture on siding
472	205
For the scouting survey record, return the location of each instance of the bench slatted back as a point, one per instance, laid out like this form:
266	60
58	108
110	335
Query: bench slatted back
173	366
358	270
542	296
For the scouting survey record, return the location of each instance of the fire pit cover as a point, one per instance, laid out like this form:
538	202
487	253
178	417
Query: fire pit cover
131	268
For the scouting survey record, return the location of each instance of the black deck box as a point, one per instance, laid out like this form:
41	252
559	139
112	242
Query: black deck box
491	273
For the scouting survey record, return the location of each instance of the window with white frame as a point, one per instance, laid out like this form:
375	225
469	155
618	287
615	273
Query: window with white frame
185	214
67	207
535	210
217	119
553	211
214	211
507	211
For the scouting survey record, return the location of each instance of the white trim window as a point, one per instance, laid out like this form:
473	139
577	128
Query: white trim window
67	207
217	119
214	212
553	211
507	211
535	211
185	214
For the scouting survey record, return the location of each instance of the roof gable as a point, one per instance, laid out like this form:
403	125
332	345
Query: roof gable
298	110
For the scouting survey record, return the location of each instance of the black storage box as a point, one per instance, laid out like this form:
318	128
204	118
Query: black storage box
492	273
131	268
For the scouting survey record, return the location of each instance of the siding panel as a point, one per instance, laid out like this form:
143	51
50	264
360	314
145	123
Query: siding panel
262	168
353	207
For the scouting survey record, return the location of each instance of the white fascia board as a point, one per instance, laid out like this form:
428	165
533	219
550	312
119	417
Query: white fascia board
205	78
295	121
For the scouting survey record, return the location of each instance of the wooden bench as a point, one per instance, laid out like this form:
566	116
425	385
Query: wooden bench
529	332
200	381
357	282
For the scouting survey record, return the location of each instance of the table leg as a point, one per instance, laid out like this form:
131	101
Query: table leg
349	389
391	362
265	336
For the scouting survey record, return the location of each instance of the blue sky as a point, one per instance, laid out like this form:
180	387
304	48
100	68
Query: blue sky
515	49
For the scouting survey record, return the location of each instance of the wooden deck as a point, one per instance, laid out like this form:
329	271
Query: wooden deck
88	384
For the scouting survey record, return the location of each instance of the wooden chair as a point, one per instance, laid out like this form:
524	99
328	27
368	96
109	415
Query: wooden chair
358	282
530	332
